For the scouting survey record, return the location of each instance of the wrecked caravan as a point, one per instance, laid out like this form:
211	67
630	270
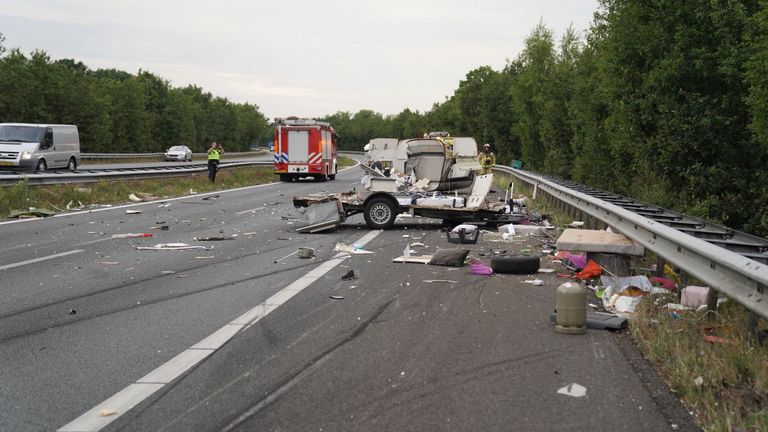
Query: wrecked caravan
380	209
448	165
380	152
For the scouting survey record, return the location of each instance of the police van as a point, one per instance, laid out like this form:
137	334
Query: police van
39	147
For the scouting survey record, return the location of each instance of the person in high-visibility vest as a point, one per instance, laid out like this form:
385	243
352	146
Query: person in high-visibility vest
214	157
487	159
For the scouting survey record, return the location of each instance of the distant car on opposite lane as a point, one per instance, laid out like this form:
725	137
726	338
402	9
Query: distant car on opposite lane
178	153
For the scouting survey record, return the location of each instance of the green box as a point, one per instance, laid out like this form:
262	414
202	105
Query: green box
518	164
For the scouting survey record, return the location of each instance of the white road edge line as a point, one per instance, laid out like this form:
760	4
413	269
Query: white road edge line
34	260
121	402
124	206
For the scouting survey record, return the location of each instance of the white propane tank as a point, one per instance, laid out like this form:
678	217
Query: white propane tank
571	305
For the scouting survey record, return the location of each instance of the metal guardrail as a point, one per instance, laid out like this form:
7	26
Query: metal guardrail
90	156
90	176
741	278
96	156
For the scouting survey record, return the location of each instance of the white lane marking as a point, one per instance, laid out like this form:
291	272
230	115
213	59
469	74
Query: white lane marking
249	211
45	258
124	206
123	401
175	367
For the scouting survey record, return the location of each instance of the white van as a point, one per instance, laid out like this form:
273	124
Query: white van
39	146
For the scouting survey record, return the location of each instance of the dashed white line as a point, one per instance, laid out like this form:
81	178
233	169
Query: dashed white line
93	420
45	258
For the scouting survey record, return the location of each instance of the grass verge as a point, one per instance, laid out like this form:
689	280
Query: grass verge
725	383
55	197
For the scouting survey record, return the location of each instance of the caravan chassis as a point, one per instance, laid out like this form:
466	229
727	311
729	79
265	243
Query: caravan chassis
380	209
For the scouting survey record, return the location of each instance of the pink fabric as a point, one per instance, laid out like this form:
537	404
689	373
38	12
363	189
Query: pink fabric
480	268
664	283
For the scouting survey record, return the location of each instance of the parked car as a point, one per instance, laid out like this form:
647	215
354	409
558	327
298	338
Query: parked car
178	153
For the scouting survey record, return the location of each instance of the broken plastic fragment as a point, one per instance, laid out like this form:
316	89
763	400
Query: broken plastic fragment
337	297
341	247
440	281
480	268
537	282
172	246
131	235
573	390
133	211
107	412
349	275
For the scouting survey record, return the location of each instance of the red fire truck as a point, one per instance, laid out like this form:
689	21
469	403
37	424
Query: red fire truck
305	148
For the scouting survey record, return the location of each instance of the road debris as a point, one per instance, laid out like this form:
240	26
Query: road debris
33	212
306	252
107	412
134	211
413	259
480	268
349	275
131	235
573	390
717	340
214	238
449	257
536	282
71	205
172	246
694	296
72	312
290	254
161	228
354	249
440	281
337	297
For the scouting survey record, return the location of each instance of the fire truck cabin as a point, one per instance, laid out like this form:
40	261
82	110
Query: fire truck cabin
305	148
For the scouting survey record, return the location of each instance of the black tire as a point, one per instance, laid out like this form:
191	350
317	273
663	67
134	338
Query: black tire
72	165
380	213
333	176
285	178
41	165
321	178
515	264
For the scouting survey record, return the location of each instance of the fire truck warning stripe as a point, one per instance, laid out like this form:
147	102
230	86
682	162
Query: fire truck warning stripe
143	388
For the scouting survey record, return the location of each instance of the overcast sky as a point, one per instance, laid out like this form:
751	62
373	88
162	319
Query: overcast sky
293	57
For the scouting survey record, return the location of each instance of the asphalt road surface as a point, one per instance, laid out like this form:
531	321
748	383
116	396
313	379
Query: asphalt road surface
97	335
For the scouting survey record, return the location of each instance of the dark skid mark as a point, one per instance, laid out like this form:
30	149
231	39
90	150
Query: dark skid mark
137	282
32	331
287	383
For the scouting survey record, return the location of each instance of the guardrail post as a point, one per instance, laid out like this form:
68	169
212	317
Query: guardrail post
712	296
752	326
681	285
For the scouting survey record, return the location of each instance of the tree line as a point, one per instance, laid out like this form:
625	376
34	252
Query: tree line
665	101
119	112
